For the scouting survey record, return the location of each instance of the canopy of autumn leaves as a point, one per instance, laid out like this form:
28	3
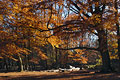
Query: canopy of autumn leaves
25	25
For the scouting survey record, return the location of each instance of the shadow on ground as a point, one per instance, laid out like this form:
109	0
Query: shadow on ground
68	76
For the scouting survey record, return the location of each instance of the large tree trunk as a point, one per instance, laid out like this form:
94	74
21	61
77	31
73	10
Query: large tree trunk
118	33
118	30
103	48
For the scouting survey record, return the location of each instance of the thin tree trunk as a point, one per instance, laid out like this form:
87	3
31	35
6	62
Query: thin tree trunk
26	64
20	64
56	58
6	64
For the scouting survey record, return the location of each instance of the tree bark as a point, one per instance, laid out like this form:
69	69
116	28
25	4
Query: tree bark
118	30
20	64
6	64
118	33
103	48
56	58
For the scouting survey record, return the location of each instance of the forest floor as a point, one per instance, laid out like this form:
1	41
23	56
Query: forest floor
79	75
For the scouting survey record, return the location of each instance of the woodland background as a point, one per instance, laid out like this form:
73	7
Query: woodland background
51	34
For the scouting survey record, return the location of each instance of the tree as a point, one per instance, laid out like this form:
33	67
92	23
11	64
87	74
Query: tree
118	28
18	28
91	16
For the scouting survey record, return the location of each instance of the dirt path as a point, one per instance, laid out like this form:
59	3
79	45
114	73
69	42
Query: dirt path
81	75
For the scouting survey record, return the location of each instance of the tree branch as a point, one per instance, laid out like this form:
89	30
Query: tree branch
79	48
